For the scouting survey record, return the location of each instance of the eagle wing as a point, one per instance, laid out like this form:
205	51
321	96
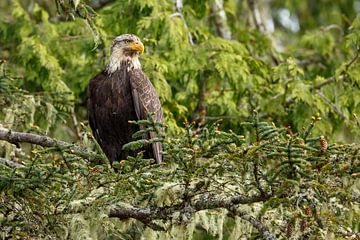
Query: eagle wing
146	100
91	106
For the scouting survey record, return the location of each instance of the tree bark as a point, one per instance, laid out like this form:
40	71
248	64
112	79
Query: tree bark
44	141
217	10
147	215
10	163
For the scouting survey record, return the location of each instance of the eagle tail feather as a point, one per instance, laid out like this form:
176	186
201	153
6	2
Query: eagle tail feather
157	149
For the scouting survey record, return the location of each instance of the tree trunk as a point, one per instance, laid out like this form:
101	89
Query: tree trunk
218	12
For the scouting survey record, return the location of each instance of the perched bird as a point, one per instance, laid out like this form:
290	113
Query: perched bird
121	93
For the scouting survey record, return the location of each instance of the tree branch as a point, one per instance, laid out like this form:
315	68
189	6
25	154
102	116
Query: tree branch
10	163
326	82
44	141
330	104
178	13
341	77
95	5
147	215
263	230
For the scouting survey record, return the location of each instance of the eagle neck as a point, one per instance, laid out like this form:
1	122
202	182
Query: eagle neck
129	63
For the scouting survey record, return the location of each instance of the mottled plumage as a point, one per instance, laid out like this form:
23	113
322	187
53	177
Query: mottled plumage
119	94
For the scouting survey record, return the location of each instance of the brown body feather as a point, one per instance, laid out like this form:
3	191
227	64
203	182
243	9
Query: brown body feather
114	100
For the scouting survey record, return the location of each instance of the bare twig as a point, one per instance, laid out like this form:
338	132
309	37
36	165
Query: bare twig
330	104
352	61
341	77
44	141
327	81
178	13
201	108
254	222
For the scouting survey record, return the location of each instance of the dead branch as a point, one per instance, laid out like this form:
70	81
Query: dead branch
330	104
44	141
178	13
10	163
254	222
148	215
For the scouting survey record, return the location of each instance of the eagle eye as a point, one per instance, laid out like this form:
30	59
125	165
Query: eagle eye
127	41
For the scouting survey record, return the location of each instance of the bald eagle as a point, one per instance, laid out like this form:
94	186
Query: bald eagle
121	93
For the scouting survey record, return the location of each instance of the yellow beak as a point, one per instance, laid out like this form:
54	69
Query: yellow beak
136	46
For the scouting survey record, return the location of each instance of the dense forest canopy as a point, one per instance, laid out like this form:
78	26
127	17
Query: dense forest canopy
261	101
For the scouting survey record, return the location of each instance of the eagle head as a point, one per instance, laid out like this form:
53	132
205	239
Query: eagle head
125	48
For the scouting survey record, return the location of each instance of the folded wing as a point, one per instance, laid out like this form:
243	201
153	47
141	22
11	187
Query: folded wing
146	100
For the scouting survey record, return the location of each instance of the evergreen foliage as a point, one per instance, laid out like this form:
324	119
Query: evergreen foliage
295	181
260	127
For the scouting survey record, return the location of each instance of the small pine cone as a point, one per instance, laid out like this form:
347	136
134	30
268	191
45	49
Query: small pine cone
323	144
289	229
95	170
308	211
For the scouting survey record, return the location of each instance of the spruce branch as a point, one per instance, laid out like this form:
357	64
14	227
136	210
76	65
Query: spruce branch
308	130
15	137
